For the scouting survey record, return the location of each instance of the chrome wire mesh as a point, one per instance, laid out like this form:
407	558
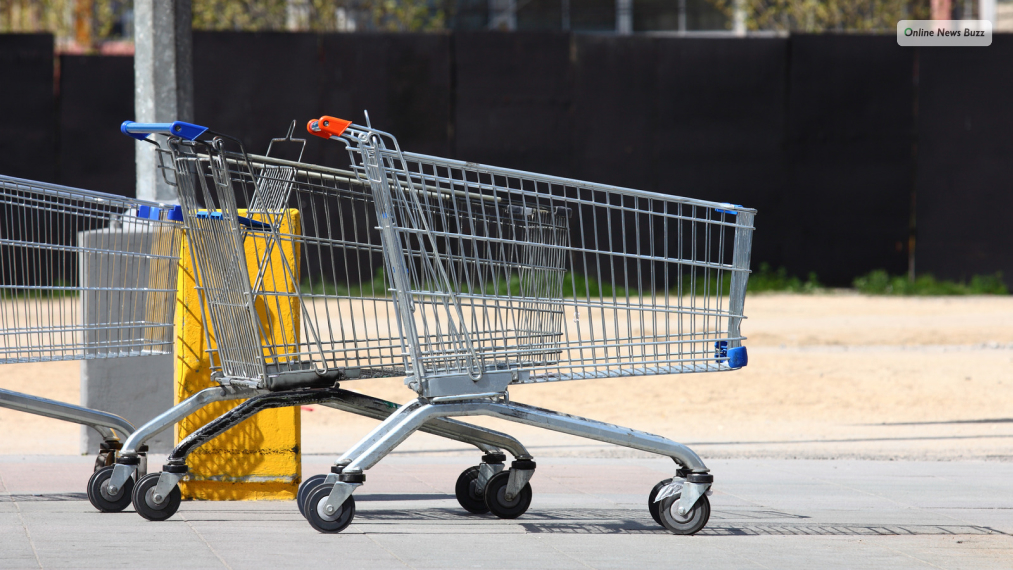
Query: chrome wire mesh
84	274
290	265
566	279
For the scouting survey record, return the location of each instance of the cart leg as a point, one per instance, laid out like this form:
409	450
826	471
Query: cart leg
693	484
371	449
130	456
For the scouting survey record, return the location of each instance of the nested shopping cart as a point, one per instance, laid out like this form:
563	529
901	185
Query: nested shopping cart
290	267
503	277
83	275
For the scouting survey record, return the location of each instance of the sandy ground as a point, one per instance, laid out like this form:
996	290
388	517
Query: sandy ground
830	375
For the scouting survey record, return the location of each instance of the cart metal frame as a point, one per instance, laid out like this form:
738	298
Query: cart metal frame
52	311
677	267
284	370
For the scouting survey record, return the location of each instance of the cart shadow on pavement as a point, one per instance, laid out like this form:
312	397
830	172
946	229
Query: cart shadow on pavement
739	522
41	497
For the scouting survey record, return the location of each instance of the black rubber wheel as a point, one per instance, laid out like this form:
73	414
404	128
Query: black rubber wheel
101	499
145	505
692	522
653	507
495	497
468	494
339	522
305	488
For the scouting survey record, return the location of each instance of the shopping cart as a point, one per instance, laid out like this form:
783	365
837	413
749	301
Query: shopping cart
290	268
83	275
505	277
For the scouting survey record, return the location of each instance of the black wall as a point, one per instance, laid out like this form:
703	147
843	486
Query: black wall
847	145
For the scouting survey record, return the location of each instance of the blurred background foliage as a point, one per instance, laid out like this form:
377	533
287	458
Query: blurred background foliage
86	23
815	16
91	22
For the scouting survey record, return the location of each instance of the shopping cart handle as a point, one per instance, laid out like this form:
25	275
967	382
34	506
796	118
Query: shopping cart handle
140	131
327	126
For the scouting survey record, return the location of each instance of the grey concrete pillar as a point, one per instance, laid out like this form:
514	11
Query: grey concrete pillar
120	317
624	17
503	15
163	81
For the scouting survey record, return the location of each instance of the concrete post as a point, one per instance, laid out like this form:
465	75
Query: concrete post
624	17
986	11
163	81
503	15
137	388
739	18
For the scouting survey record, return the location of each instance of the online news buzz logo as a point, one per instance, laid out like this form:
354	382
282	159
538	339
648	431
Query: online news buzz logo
944	33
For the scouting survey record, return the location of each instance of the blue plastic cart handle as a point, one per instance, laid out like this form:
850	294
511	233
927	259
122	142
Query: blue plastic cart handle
140	131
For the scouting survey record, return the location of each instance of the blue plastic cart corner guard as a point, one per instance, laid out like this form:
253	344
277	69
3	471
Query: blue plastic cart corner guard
737	357
148	212
732	212
174	214
140	131
252	224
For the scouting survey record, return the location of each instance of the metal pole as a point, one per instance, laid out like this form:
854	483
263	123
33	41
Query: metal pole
624	17
986	11
163	81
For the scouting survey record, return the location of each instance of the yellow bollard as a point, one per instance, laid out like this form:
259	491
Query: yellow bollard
259	458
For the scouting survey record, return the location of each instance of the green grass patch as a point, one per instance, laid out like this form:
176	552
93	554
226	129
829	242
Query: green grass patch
880	282
771	280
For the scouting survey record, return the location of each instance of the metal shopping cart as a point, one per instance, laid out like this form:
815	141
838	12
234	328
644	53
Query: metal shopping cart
504	277
290	267
83	275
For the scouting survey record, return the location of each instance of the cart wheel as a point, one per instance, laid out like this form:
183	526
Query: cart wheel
105	458
332	524
468	494
495	497
305	488
144	502
690	523
101	499
653	507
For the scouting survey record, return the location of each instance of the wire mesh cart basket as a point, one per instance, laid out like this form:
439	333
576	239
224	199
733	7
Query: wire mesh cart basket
290	267
503	277
83	275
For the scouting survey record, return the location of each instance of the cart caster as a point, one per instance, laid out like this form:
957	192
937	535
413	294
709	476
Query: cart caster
107	453
468	493
690	523
100	497
144	499
495	497
306	487
337	522
654	507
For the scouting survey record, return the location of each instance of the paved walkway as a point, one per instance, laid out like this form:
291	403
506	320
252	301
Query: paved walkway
585	514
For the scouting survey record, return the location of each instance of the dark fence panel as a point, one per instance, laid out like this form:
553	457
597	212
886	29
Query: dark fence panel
513	95
96	95
850	136
251	86
615	90
254	85
27	107
403	80
827	136
965	161
719	118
